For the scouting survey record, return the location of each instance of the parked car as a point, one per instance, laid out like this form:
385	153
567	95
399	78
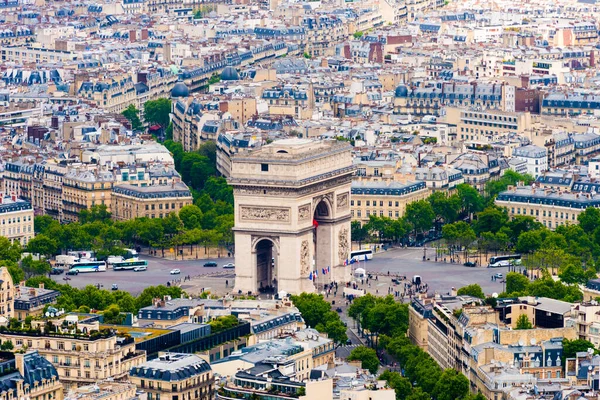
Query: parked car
175	271
140	268
114	286
72	272
56	271
229	265
210	264
470	264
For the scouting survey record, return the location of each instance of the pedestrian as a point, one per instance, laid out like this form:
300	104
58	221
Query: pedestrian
226	283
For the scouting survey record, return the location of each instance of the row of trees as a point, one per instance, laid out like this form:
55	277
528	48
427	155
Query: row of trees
94	298
422	378
317	314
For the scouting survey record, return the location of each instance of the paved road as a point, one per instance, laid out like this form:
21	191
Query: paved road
157	274
440	276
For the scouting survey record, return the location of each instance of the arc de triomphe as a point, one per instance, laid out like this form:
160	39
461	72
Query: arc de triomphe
292	214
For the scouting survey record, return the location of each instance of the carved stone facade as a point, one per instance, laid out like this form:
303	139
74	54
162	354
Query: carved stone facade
279	190
343	249
304	212
304	258
342	201
265	214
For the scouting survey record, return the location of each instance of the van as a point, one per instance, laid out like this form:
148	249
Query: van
417	280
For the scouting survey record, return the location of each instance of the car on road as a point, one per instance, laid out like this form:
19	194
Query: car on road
140	268
229	265
498	275
175	271
210	264
56	271
348	342
338	309
114	286
72	272
470	264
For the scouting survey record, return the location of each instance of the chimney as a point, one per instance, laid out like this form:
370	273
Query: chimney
41	285
13	196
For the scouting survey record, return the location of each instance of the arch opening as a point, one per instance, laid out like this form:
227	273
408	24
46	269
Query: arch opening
266	272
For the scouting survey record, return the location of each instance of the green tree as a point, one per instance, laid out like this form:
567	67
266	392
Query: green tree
312	306
367	357
6	346
358	34
418	394
471	200
157	112
445	207
452	385
133	115
523	322
529	242
419	215
112	315
95	213
33	267
400	384
42	223
522	223
358	233
223	323
458	234
471	290
42	244
516	283
10	251
572	347
589	220
490	220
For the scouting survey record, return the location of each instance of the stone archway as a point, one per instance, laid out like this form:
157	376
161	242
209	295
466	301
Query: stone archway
266	255
295	195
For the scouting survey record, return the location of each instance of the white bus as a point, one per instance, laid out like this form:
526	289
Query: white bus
361	255
88	266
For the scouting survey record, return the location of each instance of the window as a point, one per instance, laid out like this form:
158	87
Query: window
351	202
368	203
264	167
358	202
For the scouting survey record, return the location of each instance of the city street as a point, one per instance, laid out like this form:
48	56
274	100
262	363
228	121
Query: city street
440	276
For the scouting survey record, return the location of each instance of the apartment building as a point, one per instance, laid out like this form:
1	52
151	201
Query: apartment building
289	100
29	301
570	105
486	126
384	199
535	157
17	219
174	376
28	376
113	94
587	320
83	188
7	294
79	358
550	207
29	54
158	201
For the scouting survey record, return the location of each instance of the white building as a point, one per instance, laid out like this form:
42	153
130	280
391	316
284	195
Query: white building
16	217
536	158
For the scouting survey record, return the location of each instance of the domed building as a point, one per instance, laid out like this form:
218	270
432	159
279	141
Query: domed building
230	74
401	91
180	90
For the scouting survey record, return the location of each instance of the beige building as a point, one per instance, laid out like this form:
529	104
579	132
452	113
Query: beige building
486	125
384	199
16	216
7	294
174	376
158	201
79	358
84	188
550	207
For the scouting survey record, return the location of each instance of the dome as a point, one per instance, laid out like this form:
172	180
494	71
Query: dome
180	90
402	91
229	74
